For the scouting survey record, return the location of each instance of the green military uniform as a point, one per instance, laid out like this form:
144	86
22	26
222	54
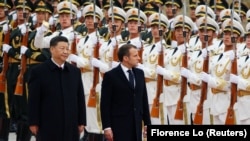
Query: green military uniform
13	71
4	103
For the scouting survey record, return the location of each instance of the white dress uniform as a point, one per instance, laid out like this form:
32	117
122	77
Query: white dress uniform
44	42
150	61
85	49
218	82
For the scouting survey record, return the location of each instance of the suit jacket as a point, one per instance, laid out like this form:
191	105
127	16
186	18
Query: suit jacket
124	108
56	101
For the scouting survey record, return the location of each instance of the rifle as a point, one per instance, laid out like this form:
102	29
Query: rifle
92	96
19	84
179	107
230	119
155	111
199	111
5	57
139	31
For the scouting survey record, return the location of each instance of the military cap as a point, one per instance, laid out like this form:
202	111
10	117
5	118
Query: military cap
156	19
200	11
220	4
178	22
211	24
41	5
106	4
89	11
128	4
178	3
237	27
118	13
248	16
247	29
239	8
132	14
9	4
195	3
149	8
65	7
161	2
86	2
226	14
26	3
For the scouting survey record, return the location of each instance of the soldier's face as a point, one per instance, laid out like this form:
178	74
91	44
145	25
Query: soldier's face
65	20
133	27
89	22
20	13
248	41
155	30
2	15
227	38
178	32
202	34
41	16
117	23
169	10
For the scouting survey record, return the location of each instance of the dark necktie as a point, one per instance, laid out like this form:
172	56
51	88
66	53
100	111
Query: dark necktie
60	33
109	41
152	48
86	39
131	78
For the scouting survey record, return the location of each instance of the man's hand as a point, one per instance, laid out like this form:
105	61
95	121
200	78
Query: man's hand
108	134
34	129
80	128
145	132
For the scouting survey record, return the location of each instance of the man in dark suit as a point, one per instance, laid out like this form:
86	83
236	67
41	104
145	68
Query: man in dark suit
57	110
124	101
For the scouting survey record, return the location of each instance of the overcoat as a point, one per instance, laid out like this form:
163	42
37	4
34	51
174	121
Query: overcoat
124	108
56	101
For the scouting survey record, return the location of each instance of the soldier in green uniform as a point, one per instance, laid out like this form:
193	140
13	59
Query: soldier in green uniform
34	57
24	8
4	104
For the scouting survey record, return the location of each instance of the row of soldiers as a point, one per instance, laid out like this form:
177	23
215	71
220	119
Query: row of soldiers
187	61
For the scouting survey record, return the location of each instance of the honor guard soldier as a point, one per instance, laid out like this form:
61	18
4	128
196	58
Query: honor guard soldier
33	57
218	6
172	68
17	38
220	69
198	55
85	48
248	16
148	8
67	13
240	8
150	58
4	97
242	80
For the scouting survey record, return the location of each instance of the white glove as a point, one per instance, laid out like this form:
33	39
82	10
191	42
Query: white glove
34	20
23	49
6	28
70	36
95	62
23	28
231	55
160	70
234	78
73	58
14	17
182	48
114	64
51	21
140	66
185	72
204	52
6	48
79	14
174	44
205	77
43	28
